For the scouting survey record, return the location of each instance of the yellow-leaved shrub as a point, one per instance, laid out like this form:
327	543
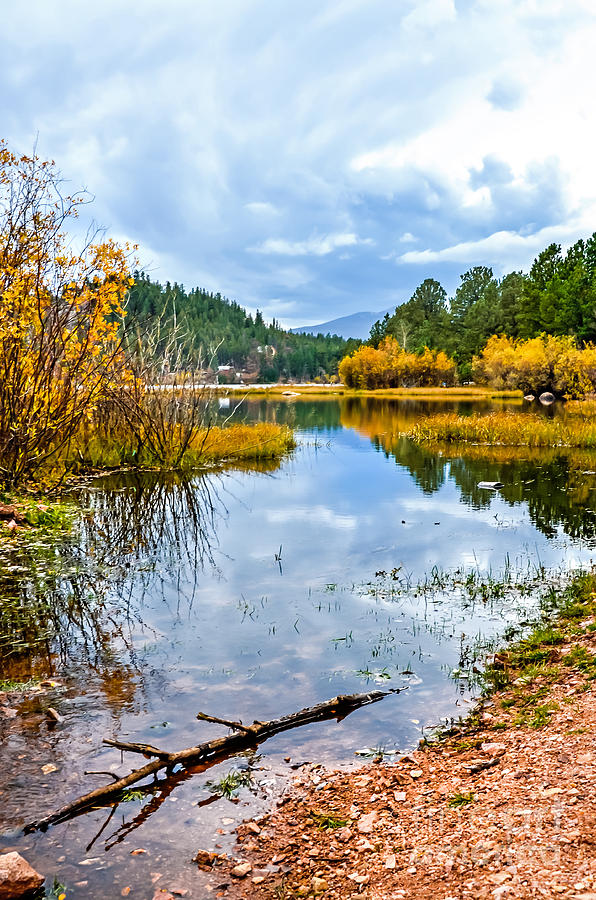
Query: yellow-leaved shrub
543	363
391	366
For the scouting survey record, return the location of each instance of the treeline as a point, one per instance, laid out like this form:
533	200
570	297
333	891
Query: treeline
557	297
223	333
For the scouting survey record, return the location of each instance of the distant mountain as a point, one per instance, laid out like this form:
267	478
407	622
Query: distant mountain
357	325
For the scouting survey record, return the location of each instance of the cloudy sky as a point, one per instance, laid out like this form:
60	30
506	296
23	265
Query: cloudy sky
314	158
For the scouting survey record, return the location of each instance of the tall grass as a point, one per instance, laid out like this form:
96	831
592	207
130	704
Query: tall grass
507	429
206	445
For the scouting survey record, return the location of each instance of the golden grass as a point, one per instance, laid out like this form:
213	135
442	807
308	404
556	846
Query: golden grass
208	446
262	440
506	429
469	392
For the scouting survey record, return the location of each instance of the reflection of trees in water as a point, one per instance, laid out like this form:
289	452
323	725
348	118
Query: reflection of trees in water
138	517
74	603
552	483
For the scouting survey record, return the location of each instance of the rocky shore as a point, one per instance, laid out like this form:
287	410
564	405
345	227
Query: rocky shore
504	806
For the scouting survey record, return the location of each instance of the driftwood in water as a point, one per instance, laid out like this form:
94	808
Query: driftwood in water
210	752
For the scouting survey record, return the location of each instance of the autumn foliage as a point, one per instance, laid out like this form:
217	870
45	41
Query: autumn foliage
60	316
390	366
543	363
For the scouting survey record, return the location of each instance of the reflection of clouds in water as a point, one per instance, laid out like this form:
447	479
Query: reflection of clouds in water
317	515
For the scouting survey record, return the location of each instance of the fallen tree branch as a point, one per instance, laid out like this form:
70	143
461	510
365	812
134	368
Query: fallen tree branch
145	749
209	752
235	726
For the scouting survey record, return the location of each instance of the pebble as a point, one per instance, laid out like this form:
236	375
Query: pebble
365	824
241	870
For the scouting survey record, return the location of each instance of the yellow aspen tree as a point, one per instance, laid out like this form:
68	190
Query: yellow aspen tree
61	314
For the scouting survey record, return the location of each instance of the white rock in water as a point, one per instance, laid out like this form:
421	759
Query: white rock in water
492	485
547	398
17	877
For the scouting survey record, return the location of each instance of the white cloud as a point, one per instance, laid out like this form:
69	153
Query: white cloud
430	14
318	245
505	249
260	208
201	128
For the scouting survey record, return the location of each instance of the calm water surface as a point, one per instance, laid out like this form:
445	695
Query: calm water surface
252	594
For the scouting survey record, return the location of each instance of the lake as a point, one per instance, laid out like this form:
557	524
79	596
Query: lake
362	561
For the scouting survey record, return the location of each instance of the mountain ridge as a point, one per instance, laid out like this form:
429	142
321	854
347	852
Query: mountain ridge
357	325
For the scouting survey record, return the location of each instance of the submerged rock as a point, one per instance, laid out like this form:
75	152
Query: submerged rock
529	397
17	877
491	485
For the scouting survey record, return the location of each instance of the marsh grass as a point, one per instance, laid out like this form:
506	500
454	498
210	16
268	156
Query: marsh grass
229	785
577	429
10	684
334	390
528	666
44	514
206	446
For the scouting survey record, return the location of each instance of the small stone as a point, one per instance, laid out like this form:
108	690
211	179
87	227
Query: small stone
138	852
17	877
49	768
319	885
390	861
400	796
412	870
241	870
416	773
258	879
499	877
359	879
552	792
365	824
205	859
364	845
253	827
125	891
493	747
343	835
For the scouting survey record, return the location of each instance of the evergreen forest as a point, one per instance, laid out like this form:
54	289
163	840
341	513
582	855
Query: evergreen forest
222	333
557	297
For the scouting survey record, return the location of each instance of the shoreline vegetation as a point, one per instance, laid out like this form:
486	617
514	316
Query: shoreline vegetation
545	363
507	429
233	446
79	388
294	391
500	802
